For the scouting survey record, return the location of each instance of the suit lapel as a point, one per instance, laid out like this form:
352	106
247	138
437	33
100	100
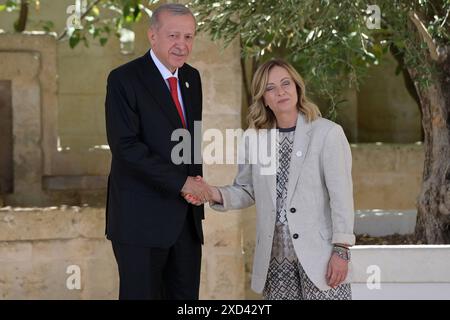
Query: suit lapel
185	87
299	151
157	87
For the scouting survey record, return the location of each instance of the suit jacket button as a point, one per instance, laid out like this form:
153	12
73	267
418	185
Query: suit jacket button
299	154
293	210
295	236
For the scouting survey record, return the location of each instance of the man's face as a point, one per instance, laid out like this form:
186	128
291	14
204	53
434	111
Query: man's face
172	39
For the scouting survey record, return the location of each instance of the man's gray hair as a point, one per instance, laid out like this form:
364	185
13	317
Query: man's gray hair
172	8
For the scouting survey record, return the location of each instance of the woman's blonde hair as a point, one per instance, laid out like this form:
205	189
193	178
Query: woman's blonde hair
262	117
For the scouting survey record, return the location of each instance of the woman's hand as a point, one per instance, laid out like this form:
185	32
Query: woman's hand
216	196
337	270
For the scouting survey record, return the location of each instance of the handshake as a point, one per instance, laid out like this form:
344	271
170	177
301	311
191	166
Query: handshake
196	191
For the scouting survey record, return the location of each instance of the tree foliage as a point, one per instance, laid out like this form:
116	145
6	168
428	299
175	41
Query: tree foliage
97	21
328	41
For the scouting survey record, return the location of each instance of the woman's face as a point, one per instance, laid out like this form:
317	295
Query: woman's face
281	93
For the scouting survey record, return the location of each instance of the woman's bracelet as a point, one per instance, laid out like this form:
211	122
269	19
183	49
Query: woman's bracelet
341	246
342	252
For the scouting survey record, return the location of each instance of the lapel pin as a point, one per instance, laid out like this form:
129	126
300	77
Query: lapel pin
187	84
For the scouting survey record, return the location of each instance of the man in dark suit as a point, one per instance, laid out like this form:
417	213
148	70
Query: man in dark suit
156	235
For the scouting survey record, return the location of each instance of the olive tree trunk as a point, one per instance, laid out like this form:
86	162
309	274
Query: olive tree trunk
433	204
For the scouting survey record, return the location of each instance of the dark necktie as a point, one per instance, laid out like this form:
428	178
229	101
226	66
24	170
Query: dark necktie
173	84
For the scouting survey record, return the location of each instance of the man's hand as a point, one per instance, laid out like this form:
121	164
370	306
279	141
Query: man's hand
191	199
196	189
337	270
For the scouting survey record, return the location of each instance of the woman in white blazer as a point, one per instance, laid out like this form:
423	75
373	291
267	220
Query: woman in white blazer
305	217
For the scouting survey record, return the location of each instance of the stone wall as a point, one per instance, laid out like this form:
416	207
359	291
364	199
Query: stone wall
37	246
387	176
387	112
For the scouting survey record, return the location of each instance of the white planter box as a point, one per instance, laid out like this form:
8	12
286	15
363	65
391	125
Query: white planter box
405	272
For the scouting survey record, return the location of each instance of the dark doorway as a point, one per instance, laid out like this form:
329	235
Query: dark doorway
6	138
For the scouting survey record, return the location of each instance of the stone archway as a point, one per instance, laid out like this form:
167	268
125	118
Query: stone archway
6	139
28	64
21	69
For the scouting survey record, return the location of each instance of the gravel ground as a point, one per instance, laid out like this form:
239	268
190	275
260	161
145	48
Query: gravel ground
364	239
